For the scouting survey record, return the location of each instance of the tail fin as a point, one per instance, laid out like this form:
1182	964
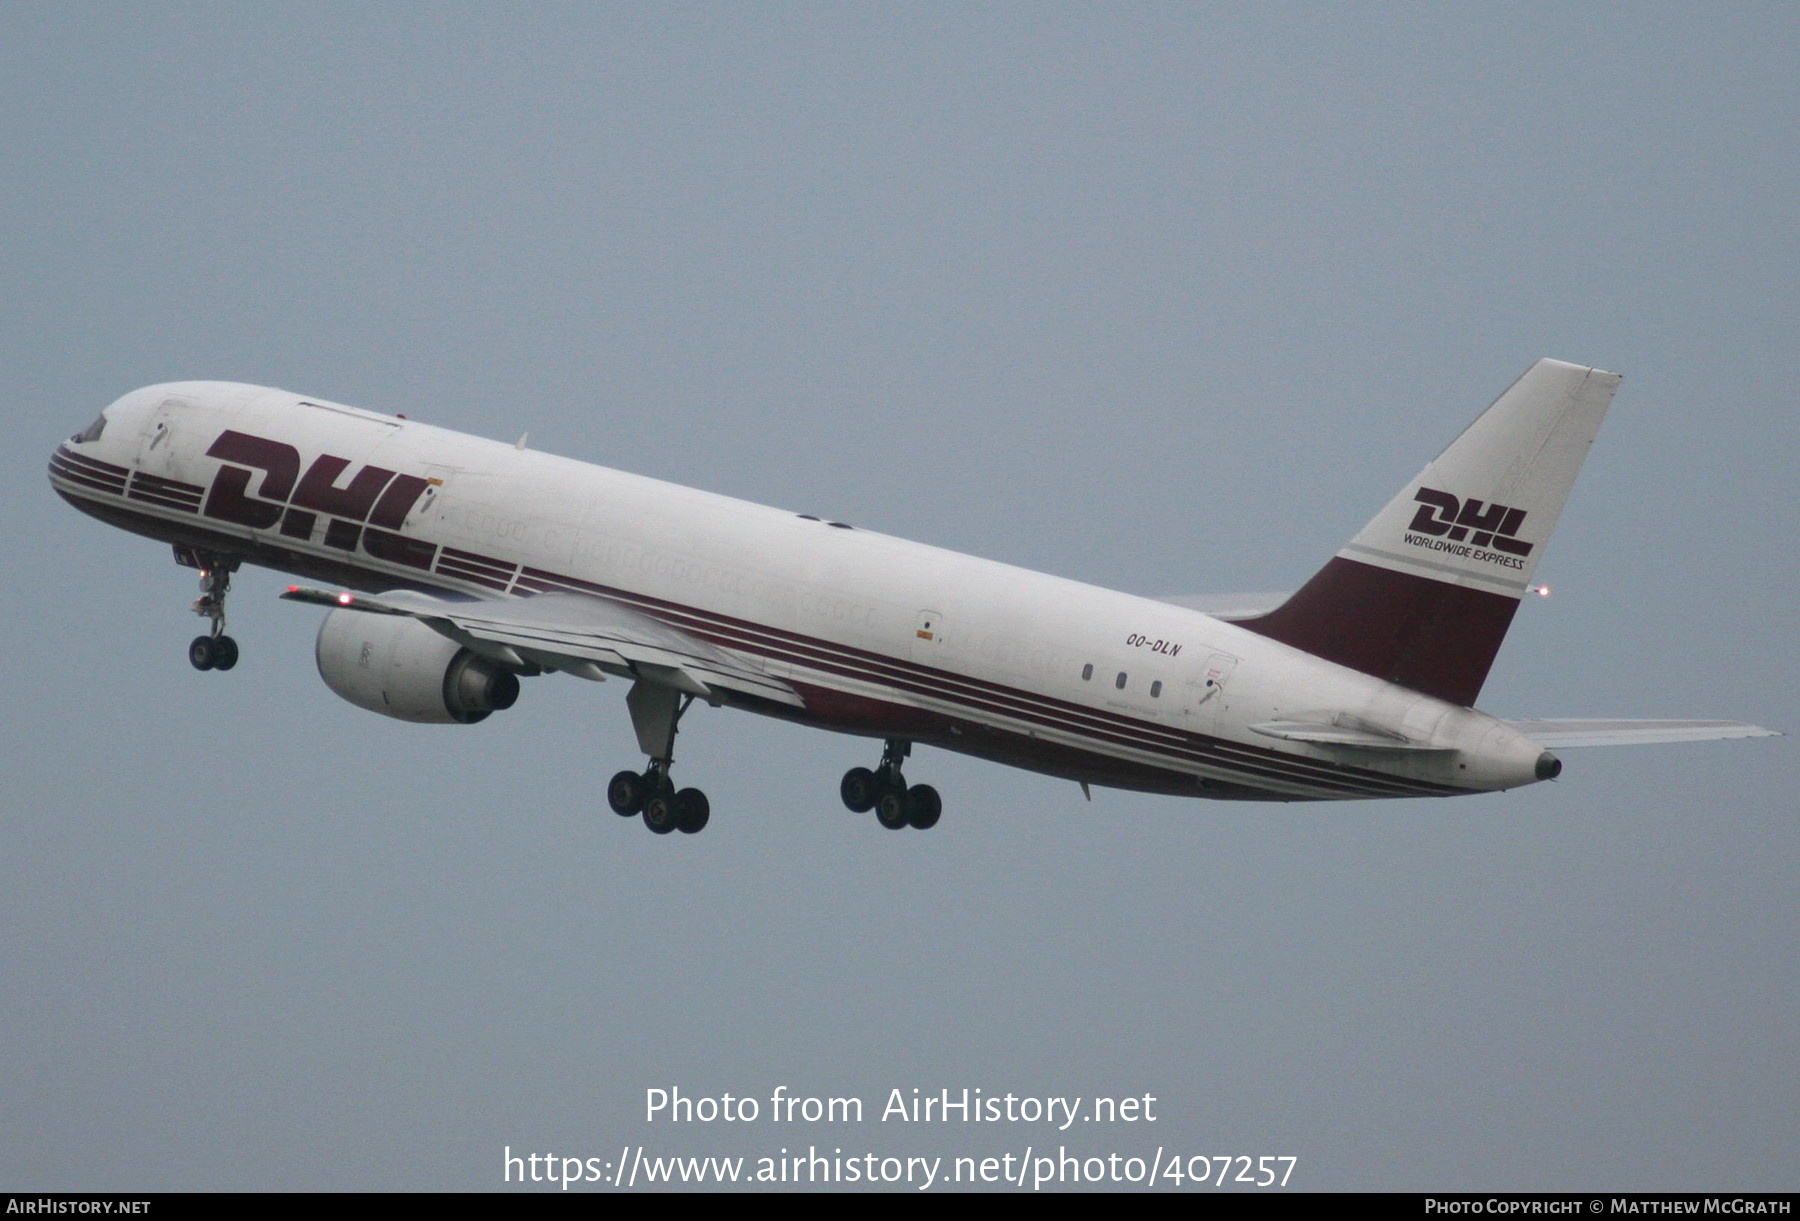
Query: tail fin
1423	595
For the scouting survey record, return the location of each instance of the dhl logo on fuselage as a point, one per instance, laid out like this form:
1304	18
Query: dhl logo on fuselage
368	510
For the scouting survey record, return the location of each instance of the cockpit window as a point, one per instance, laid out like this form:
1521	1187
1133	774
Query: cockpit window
92	431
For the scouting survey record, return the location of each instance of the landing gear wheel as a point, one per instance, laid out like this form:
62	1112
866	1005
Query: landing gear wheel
859	790
625	793
885	790
692	811
659	812
891	808
224	653
200	653
925	807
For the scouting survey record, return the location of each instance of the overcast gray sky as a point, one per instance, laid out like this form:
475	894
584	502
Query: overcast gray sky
1167	298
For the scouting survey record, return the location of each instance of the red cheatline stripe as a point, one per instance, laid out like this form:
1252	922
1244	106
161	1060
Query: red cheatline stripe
976	696
993	697
60	461
477	578
895	672
169	487
488	572
145	494
91	464
89	481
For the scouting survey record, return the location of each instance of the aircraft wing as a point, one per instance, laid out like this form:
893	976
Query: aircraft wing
1560	733
583	635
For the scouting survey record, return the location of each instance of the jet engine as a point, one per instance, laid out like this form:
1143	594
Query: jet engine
399	667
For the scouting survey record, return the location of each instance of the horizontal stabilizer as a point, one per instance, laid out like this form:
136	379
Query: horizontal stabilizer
1561	733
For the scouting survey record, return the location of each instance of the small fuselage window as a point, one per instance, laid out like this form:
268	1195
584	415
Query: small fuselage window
1119	682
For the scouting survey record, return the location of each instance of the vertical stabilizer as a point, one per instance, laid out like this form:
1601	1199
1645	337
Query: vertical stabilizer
1423	595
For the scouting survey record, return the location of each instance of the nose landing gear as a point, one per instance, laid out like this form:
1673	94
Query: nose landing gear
215	650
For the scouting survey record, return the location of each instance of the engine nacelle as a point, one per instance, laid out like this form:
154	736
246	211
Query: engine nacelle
399	667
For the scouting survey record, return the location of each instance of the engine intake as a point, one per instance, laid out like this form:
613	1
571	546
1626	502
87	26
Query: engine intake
401	668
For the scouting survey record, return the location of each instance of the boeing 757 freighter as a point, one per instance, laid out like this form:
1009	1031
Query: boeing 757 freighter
458	566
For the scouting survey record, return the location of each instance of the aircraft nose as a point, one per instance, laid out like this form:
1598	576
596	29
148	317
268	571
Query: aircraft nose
76	472
87	467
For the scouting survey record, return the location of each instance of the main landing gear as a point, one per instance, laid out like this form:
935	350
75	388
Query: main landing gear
884	790
655	796
215	650
655	712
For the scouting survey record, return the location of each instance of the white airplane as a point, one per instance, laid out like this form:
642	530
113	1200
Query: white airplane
480	563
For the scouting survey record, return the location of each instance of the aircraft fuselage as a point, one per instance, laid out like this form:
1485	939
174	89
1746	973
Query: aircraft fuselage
877	636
